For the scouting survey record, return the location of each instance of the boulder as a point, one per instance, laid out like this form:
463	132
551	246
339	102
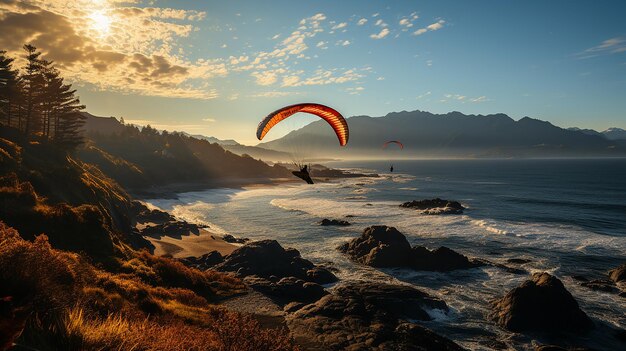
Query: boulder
231	239
541	304
618	275
435	206
337	222
442	259
203	262
379	246
267	258
368	316
382	246
287	290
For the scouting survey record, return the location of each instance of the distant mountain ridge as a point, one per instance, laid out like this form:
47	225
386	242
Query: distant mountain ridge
453	134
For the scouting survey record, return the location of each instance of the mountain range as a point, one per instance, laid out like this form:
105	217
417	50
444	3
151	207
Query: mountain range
453	134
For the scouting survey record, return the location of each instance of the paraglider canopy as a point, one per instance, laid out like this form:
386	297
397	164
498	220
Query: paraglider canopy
393	142
330	115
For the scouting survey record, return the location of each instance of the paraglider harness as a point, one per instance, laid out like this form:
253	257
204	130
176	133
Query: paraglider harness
303	173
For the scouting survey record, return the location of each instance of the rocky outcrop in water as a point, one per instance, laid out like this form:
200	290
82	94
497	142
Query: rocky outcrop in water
435	206
541	304
618	275
383	246
368	316
337	222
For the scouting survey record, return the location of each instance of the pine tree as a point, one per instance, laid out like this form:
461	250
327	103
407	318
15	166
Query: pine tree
9	89
33	81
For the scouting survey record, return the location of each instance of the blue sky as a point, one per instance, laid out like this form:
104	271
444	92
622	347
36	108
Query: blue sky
229	63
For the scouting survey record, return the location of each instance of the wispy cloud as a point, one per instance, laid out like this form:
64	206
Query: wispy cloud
609	46
361	22
462	98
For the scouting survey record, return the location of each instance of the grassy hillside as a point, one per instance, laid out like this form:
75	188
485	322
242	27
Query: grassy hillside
145	158
71	277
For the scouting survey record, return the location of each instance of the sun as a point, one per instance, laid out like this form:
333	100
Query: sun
100	22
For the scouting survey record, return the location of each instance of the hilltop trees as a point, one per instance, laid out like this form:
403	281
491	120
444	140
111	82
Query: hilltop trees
36	100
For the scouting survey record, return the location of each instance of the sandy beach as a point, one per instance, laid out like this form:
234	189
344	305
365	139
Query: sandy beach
190	245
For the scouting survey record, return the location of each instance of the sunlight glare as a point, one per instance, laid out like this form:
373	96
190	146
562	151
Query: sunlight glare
100	22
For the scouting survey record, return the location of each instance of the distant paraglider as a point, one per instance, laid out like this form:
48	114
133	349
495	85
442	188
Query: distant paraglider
392	142
330	115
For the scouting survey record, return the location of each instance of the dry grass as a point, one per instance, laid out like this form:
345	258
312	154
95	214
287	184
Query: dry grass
153	304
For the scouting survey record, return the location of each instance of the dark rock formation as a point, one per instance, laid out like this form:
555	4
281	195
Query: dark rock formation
441	259
231	239
368	316
288	289
541	304
382	246
203	262
618	275
435	206
267	258
337	222
379	246
174	229
143	214
518	260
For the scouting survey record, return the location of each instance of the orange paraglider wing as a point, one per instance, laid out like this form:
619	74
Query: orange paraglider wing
394	142
330	115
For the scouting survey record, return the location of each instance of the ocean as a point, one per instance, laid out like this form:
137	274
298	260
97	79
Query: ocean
567	216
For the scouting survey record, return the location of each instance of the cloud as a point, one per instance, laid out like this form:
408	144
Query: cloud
265	78
431	27
210	120
343	42
609	46
355	90
274	94
361	22
380	23
340	25
383	33
322	45
325	77
461	98
426	94
124	49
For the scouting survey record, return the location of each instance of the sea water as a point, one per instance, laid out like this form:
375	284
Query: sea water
567	216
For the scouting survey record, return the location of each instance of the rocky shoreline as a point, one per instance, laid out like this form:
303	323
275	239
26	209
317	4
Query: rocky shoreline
322	312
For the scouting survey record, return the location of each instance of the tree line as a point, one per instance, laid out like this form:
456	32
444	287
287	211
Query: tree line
37	102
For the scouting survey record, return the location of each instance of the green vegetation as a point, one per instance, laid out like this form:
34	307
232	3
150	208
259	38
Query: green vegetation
37	102
142	158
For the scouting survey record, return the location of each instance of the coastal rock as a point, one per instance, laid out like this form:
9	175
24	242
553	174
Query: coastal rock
369	316
442	259
173	229
205	261
618	275
379	246
288	289
435	206
337	222
143	214
382	246
541	304
267	258
231	239
601	285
